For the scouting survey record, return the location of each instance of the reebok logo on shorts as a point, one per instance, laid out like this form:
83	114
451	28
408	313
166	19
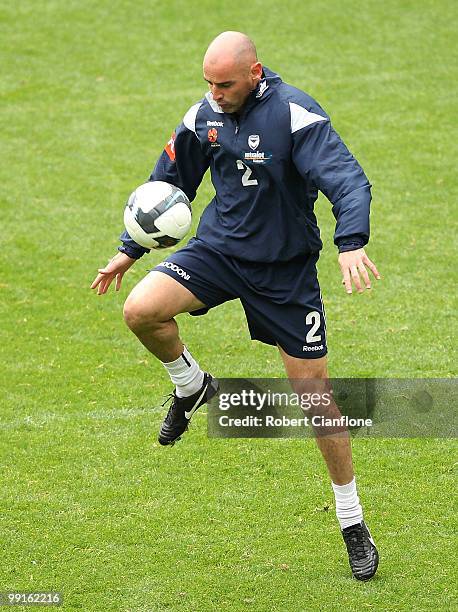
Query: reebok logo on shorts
175	268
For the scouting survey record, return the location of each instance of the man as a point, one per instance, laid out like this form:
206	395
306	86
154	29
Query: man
270	148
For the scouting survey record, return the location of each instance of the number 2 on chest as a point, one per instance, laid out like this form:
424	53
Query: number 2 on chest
246	180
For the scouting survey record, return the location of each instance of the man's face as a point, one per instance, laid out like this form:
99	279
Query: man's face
230	86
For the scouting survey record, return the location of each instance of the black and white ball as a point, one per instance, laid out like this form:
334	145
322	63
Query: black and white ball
157	215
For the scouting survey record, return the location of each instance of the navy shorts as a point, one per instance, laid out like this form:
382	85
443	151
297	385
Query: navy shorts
282	300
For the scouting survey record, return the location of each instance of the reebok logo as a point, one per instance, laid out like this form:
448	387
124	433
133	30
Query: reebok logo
176	269
215	124
312	348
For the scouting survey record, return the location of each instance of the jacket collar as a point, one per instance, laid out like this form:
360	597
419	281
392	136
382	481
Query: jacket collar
264	89
270	80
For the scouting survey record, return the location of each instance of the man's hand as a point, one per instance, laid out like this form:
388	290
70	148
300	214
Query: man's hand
353	266
116	267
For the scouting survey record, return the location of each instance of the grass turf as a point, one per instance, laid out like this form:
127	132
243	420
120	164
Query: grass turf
90	504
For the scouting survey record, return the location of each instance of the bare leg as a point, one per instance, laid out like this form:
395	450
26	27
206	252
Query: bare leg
149	312
336	449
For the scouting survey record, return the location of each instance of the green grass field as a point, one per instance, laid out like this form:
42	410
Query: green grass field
90	505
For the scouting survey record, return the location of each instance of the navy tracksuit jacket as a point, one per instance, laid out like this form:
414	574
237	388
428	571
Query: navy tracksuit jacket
267	166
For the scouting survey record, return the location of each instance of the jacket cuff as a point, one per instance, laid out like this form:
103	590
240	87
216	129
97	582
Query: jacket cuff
130	247
350	244
132	252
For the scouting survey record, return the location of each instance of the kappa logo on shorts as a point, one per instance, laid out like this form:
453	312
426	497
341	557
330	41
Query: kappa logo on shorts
176	269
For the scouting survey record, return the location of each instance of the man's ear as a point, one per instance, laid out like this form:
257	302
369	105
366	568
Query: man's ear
256	70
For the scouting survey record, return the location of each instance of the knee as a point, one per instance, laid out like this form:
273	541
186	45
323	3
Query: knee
139	316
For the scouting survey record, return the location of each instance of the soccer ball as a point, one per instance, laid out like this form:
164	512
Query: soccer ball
157	215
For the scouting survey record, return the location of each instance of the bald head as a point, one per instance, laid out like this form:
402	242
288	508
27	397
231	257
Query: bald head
231	47
232	70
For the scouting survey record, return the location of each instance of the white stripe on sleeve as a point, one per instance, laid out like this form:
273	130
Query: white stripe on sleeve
301	117
190	118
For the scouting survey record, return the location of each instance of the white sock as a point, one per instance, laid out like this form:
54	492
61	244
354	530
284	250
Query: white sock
185	374
348	509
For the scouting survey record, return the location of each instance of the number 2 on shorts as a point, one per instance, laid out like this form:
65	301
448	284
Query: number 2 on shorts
313	318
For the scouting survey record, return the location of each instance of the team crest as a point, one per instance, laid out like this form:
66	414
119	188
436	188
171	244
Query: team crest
253	141
212	134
